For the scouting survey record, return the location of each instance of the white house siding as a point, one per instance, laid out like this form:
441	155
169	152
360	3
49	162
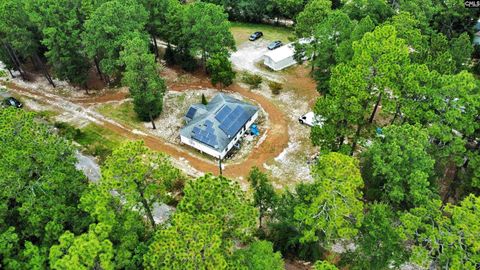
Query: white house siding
286	62
200	146
240	134
208	150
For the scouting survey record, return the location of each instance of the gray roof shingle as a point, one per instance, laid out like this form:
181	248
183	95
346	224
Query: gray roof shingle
217	123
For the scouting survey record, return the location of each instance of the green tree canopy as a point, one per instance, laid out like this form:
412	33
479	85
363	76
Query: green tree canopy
409	29
324	265
190	242
400	167
85	252
142	79
139	176
378	10
223	199
258	256
264	196
18	35
61	23
342	110
289	8
332	208
334	30
313	14
40	187
220	69
107	30
115	223
207	30
379	243
449	239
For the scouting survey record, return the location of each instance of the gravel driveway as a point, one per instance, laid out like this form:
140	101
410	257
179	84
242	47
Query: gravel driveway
4	93
248	54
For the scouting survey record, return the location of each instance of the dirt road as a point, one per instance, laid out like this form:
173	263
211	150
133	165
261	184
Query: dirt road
276	139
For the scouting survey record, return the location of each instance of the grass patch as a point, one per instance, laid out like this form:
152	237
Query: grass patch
253	80
94	139
123	113
275	87
98	141
241	31
47	115
181	98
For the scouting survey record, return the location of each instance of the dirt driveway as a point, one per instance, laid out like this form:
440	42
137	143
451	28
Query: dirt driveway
248	54
273	145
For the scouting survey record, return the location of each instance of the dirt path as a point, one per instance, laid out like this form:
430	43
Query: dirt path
102	98
273	145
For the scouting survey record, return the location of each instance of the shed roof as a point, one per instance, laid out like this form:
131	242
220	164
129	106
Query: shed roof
216	124
281	53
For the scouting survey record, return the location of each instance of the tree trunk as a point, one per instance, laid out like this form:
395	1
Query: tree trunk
374	112
220	166
359	129
147	208
95	60
340	142
314	56
106	79
355	139
35	63
153	122
10	71
397	112
14	59
204	61
44	69
149	213
260	216
156	47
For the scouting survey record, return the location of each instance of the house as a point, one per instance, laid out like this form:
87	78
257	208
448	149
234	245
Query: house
283	57
280	58
216	127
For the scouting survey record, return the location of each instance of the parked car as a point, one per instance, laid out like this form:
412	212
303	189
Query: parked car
13	102
255	36
274	45
310	119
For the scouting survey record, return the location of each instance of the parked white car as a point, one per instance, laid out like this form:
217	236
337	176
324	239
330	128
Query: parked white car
310	119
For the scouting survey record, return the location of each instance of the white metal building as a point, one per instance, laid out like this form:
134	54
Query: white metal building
216	127
280	58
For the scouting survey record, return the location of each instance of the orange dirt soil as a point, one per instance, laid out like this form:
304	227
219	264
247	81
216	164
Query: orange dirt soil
275	142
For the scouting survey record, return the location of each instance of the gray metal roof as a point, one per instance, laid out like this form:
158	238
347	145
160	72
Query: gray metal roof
217	123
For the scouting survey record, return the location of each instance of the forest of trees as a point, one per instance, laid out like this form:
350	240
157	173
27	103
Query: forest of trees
398	175
67	38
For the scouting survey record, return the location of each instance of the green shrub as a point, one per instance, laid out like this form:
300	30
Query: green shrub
253	80
3	74
169	55
204	100
68	131
186	61
98	150
47	115
275	87
220	69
